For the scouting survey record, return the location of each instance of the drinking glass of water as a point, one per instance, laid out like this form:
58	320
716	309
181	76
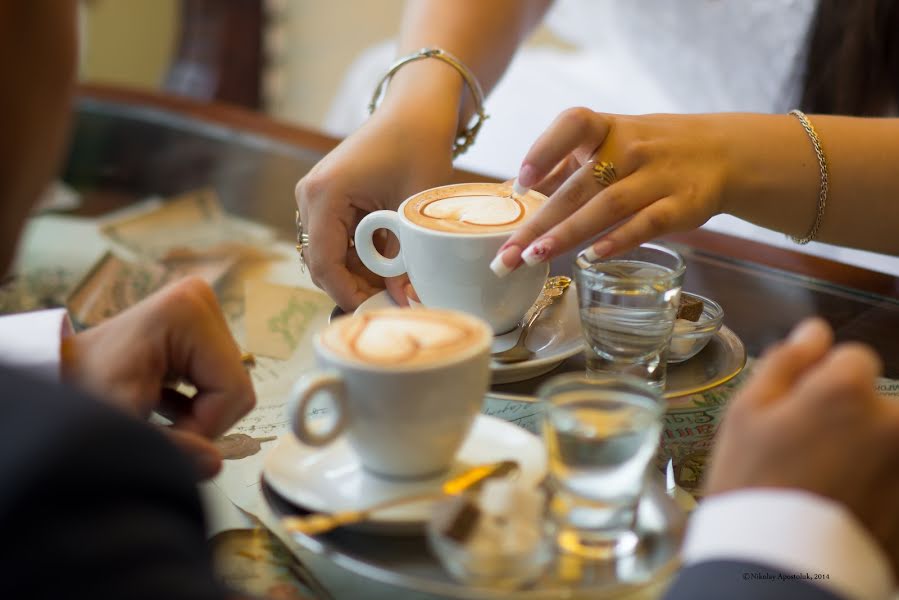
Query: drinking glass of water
601	434
628	307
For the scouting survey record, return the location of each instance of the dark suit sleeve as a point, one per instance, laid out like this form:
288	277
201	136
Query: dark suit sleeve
715	580
93	503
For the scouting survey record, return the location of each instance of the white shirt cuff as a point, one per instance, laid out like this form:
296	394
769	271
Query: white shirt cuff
32	340
794	532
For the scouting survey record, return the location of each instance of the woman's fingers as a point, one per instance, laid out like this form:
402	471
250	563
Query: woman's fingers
326	257
509	256
559	175
682	169
567	221
579	189
608	208
576	128
657	219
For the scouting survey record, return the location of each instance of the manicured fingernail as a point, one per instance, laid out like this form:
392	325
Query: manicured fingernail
505	261
806	331
518	189
498	267
537	252
526	176
598	250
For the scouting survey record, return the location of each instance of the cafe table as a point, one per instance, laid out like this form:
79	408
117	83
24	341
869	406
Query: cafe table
128	145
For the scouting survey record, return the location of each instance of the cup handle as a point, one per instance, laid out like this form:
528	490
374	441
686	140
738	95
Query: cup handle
365	246
303	391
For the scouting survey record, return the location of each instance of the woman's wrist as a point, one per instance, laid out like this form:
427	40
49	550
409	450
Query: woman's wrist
772	174
429	94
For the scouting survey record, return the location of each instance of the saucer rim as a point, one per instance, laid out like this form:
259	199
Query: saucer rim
387	526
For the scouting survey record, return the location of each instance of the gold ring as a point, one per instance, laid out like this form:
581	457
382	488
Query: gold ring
604	173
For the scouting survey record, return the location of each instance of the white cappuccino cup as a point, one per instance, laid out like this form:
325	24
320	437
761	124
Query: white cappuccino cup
406	383
448	236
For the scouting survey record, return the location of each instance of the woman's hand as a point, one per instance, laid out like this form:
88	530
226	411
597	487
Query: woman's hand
672	173
406	146
387	160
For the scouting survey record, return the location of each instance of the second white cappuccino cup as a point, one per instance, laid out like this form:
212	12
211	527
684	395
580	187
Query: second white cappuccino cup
451	268
407	385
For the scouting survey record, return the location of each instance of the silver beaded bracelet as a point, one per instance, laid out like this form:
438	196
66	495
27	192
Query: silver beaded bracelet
822	166
465	138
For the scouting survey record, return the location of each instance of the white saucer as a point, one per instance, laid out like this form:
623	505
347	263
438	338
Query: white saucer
554	337
331	479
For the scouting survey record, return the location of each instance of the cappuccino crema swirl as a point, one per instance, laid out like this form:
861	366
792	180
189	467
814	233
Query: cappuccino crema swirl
473	212
403	337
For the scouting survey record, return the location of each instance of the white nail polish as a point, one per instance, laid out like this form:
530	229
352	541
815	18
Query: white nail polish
535	253
590	254
498	267
518	189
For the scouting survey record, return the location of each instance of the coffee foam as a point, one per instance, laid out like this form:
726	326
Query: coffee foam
396	337
472	212
476	210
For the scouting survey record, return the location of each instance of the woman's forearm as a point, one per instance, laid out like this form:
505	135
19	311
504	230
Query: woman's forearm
675	172
484	35
779	179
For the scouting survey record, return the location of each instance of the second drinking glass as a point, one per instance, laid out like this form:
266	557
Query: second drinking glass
628	305
601	434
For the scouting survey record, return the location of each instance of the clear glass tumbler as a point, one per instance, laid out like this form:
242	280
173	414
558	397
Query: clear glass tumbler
601	434
628	307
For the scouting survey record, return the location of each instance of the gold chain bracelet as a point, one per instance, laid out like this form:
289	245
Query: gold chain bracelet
822	166
465	138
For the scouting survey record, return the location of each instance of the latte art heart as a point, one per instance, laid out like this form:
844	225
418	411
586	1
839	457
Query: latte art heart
401	337
473	212
478	210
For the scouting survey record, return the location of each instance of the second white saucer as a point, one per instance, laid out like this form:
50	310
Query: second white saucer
554	337
331	479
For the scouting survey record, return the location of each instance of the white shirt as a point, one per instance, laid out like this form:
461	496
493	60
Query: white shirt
794	532
32	340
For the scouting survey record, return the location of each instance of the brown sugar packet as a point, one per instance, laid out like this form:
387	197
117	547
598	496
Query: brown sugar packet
690	308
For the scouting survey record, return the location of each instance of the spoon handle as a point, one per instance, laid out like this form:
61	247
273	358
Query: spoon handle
538	309
318	523
472	480
553	289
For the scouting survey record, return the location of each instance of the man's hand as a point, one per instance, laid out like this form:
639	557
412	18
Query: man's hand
178	333
809	418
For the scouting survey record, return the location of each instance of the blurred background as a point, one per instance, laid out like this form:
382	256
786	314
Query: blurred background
284	57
